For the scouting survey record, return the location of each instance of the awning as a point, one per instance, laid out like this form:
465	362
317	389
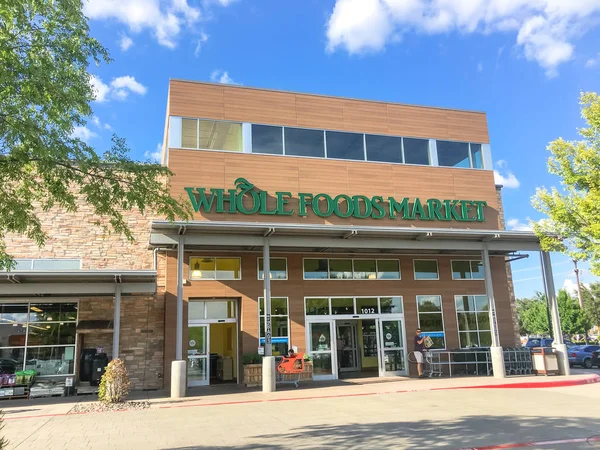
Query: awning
94	326
342	238
76	282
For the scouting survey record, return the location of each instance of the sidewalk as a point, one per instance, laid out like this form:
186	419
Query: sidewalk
234	394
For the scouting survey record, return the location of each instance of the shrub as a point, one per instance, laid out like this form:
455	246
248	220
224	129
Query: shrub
114	386
251	358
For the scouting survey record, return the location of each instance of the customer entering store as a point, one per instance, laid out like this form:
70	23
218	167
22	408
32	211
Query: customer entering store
418	351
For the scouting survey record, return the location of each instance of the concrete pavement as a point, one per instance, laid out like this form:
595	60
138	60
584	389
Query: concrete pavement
368	415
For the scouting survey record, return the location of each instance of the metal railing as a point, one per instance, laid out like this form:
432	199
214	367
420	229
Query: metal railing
477	362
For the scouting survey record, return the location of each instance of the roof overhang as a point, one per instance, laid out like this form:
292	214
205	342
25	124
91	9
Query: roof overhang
77	282
343	238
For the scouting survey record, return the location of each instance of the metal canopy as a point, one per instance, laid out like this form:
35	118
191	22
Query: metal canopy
76	282
343	238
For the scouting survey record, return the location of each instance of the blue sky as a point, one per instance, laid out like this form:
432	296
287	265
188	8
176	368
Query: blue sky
523	62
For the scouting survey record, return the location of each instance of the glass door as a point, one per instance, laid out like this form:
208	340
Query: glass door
320	337
347	347
198	365
392	347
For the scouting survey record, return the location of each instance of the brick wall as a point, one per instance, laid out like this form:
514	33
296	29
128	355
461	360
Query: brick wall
141	343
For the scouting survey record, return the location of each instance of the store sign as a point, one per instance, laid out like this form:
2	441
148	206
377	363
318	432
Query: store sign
246	199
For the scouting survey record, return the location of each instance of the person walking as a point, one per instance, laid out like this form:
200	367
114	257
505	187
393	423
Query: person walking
418	350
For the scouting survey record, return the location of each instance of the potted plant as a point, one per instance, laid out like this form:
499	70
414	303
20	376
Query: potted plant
252	369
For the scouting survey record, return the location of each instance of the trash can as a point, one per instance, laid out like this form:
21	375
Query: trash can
98	368
545	361
85	366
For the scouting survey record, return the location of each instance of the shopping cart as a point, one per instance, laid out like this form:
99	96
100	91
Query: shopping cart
432	363
293	369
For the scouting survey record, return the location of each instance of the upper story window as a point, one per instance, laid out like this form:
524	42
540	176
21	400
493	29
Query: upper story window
426	269
345	145
47	264
459	154
384	148
267	139
278	268
211	135
467	270
351	269
302	142
208	268
416	151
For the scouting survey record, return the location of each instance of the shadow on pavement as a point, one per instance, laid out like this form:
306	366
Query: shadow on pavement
467	432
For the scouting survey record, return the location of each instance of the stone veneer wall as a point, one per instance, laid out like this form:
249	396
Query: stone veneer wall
141	343
511	286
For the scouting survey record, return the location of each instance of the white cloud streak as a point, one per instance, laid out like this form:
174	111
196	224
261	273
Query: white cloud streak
221	76
156	155
119	88
125	43
544	29
517	225
201	41
503	176
83	133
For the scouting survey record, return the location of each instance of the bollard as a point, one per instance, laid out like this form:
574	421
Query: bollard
268	374
178	380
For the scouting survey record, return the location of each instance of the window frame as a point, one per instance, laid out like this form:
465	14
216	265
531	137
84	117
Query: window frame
475	311
433	312
215	268
328	278
426	279
469	153
354	298
261	317
470	261
199	119
258	258
33	260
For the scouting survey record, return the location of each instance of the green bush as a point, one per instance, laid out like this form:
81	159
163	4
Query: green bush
114	386
251	358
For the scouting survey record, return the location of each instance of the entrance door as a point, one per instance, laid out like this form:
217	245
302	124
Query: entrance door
198	366
392	356
320	337
347	347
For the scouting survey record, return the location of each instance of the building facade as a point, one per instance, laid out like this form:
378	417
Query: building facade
375	219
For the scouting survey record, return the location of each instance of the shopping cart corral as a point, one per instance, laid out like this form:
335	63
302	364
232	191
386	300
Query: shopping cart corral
475	362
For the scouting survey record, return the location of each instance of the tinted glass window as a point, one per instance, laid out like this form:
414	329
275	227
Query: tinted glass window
300	142
345	146
426	269
216	135
189	133
384	148
453	154
416	151
56	264
267	139
316	269
477	156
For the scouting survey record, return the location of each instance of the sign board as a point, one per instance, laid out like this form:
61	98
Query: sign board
248	200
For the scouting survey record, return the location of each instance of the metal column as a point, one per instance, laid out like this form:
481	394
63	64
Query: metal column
267	296
179	337
558	343
496	351
116	321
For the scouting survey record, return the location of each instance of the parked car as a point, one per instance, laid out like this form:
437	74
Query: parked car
596	358
545	342
582	355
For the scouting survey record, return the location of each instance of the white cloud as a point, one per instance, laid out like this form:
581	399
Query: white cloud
156	155
119	88
570	285
165	19
100	89
83	133
504	176
201	40
517	225
592	62
221	76
544	29
125	43
98	123
479	67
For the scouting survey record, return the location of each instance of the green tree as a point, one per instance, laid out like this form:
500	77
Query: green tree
591	302
45	91
533	316
573	223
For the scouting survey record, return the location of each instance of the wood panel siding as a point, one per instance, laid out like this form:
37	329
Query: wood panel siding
243	104
196	168
247	291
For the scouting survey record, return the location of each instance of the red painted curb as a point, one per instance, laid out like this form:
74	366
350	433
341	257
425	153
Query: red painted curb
537	444
530	385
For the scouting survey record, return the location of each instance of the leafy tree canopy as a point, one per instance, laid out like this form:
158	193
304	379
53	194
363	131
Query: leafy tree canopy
533	318
45	91
591	302
573	224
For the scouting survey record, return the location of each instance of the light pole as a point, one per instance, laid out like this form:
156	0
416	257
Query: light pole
576	270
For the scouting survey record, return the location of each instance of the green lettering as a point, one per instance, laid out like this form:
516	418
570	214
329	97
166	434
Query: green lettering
316	205
435	209
451	212
349	206
263	204
303	199
464	207
200	202
221	199
400	207
375	203
282	201
251	195
357	204
420	210
480	205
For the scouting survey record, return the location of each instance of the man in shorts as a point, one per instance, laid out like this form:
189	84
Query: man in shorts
418	351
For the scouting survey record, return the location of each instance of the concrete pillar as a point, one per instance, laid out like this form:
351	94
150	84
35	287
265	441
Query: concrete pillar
268	374
117	322
178	379
496	352
558	343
